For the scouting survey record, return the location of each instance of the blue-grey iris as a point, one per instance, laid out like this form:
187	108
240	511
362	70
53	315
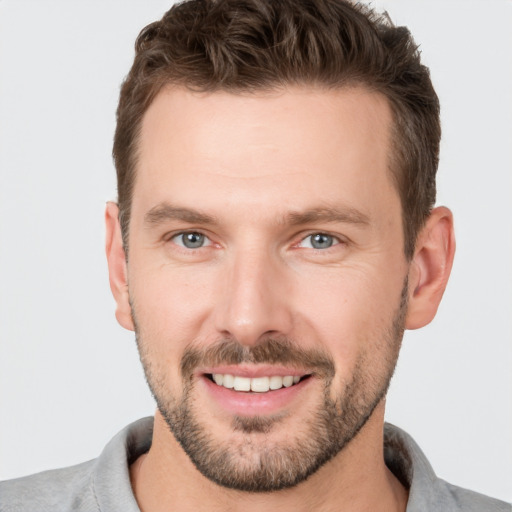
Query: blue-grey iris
321	241
192	240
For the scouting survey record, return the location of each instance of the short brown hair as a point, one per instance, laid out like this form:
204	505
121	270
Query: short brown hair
251	45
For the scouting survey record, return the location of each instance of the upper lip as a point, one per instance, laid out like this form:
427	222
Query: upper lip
254	371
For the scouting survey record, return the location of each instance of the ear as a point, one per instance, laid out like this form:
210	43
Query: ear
430	268
117	270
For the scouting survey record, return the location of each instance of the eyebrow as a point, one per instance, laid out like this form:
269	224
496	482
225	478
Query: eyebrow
164	212
328	214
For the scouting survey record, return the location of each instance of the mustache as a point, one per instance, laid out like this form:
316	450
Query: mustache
268	351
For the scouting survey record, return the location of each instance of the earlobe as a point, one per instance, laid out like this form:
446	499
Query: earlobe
430	268
116	259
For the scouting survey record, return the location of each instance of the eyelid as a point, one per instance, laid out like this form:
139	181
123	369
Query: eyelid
171	237
337	240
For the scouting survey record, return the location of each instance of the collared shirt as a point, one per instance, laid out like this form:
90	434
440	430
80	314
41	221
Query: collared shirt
103	484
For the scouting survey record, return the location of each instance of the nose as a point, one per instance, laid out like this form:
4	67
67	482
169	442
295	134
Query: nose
253	301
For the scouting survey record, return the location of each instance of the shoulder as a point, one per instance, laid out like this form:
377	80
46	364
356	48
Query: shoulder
100	484
427	492
450	497
66	489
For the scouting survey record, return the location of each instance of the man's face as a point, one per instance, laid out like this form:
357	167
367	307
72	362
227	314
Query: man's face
266	248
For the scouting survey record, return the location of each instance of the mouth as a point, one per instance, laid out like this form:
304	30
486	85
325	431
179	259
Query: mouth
255	391
261	384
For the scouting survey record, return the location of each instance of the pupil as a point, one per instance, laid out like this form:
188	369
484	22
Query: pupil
321	241
193	240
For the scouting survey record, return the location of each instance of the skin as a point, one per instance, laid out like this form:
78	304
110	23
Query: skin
249	161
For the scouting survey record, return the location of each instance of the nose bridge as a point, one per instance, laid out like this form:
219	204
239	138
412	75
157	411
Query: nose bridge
253	302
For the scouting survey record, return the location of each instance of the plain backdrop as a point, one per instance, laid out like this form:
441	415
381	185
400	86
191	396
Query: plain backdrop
70	376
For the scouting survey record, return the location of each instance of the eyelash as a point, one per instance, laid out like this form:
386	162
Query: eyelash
335	240
183	233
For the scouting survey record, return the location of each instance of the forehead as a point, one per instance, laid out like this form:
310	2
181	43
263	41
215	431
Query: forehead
287	144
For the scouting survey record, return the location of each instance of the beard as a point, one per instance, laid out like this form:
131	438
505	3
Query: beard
249	460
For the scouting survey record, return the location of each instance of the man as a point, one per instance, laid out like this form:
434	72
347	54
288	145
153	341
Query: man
275	234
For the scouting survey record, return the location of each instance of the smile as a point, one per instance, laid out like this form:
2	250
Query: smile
248	390
255	384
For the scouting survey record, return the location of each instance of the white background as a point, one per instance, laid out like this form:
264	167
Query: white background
70	376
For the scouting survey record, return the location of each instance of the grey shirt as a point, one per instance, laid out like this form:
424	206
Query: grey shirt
103	484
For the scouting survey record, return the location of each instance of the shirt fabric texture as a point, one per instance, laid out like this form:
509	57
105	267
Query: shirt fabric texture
103	484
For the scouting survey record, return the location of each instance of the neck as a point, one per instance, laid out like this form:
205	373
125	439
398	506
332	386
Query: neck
356	479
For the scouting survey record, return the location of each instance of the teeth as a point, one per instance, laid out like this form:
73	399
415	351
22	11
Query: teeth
257	384
228	381
276	382
288	381
242	384
260	384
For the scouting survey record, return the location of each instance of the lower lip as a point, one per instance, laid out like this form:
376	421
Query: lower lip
243	403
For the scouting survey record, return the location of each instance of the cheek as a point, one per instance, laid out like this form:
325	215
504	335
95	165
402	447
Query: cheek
350	314
170	306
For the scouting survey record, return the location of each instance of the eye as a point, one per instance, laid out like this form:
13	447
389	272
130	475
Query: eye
319	241
191	240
